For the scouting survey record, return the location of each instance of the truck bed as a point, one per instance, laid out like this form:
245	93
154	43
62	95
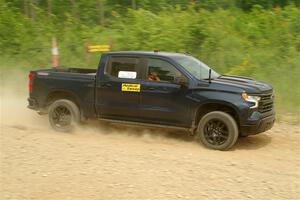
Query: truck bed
79	82
82	71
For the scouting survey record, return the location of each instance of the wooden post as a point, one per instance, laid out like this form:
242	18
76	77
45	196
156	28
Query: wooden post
110	42
87	56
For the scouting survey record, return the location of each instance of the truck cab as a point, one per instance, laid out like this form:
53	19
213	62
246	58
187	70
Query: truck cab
156	89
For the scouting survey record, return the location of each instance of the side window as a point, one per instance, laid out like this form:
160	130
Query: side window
123	67
160	70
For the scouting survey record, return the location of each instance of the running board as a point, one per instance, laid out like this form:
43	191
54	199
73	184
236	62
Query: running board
144	124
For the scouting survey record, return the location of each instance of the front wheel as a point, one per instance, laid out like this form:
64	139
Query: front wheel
217	130
63	115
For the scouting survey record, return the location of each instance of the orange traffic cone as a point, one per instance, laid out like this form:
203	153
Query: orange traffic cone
54	53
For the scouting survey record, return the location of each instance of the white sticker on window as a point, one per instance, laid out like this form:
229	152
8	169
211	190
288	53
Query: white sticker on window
127	74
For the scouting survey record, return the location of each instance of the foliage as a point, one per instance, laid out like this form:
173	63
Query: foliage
251	38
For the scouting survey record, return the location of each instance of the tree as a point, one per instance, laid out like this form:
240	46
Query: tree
100	8
133	4
75	10
49	8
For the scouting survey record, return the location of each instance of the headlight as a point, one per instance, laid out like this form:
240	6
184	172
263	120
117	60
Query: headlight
251	99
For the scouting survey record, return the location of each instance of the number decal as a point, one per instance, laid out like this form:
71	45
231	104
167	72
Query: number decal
129	87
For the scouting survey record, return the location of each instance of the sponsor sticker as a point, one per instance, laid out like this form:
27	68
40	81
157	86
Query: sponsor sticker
127	74
129	87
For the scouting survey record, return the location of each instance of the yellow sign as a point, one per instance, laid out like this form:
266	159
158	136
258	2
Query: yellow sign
98	48
129	87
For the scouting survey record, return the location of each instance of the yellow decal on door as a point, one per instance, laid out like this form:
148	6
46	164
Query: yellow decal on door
129	87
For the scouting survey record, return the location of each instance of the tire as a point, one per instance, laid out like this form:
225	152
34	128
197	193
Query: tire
217	130
63	115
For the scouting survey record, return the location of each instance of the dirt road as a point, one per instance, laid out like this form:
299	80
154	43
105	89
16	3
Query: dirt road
102	161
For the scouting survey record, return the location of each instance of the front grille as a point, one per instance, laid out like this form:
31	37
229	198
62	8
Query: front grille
266	103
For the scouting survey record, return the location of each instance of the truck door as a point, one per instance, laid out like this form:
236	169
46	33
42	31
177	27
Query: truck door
118	89
162	100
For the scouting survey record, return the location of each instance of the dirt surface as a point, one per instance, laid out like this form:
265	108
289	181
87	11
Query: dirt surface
104	161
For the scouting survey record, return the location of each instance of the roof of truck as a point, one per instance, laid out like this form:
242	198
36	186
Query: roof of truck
151	53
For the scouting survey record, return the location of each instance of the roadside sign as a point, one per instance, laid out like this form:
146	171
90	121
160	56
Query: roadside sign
98	48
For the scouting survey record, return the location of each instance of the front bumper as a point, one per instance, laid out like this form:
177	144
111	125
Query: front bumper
259	126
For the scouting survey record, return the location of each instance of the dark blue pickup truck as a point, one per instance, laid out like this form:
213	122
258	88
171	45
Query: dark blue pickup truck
155	89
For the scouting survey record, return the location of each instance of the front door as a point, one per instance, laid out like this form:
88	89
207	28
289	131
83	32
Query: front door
162	100
118	90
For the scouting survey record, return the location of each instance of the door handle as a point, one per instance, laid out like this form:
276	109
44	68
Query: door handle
105	85
150	88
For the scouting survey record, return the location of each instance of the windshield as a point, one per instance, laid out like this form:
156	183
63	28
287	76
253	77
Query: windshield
195	67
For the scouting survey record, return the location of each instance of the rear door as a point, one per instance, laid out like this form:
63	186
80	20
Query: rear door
118	90
162	100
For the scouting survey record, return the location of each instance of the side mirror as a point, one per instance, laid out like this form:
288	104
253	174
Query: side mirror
181	80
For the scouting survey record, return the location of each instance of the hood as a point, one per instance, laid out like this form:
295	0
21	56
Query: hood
249	85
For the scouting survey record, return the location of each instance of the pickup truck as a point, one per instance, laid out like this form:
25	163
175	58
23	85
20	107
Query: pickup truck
159	89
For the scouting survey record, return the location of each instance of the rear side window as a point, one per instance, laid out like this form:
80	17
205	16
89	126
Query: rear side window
160	70
123	67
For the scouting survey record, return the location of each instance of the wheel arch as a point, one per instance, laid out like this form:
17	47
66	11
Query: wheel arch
62	94
216	106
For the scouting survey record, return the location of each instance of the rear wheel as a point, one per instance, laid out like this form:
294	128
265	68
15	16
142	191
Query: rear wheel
217	130
63	115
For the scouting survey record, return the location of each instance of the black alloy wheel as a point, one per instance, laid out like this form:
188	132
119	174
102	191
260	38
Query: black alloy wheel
216	132
63	115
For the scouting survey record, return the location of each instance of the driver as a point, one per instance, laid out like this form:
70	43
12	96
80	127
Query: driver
153	76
